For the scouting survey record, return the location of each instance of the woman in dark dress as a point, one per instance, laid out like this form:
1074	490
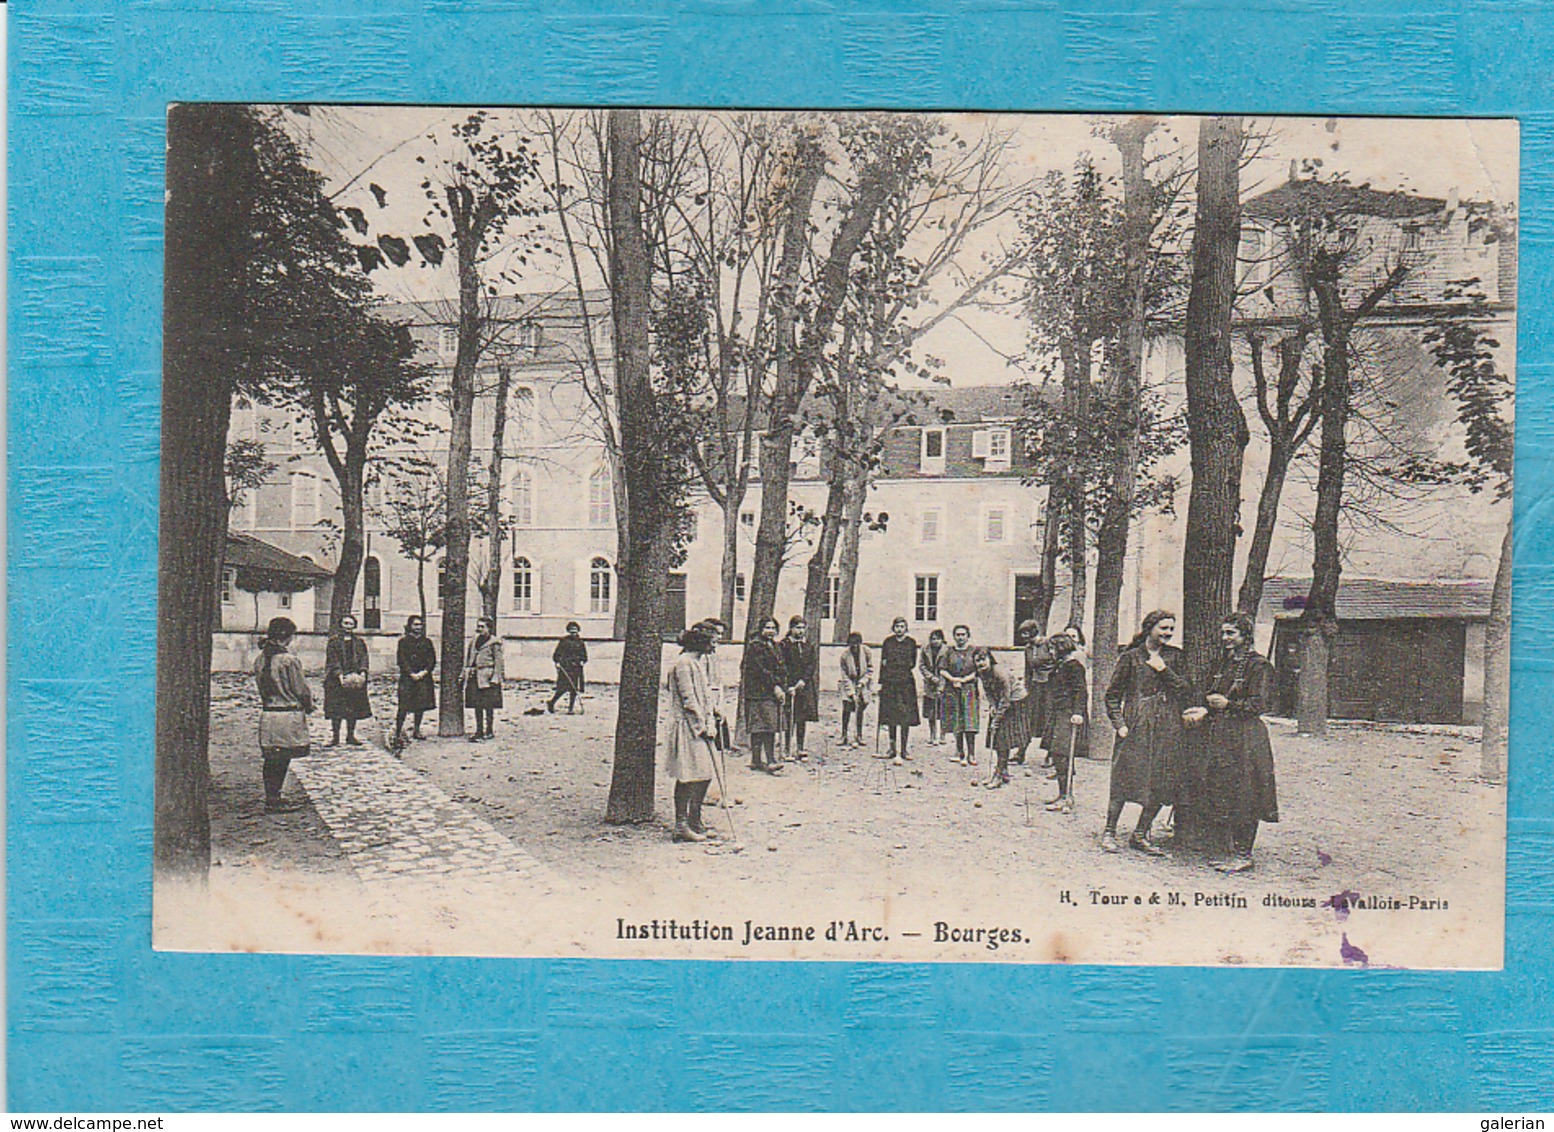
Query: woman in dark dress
1038	670
898	688
417	661
570	656
928	661
1068	702
1144	702
762	677
345	681
1234	765
801	658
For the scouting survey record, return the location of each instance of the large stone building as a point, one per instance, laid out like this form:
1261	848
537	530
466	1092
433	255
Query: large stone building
963	536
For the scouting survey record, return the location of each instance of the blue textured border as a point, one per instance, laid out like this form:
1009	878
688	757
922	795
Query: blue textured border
99	1021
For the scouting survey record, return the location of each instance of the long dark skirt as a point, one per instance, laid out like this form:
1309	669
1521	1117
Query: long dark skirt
898	703
763	714
341	702
1066	738
1147	764
1014	729
417	695
569	679
477	697
1034	706
1227	780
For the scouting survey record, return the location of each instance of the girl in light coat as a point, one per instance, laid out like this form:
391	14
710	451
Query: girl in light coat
857	684
688	748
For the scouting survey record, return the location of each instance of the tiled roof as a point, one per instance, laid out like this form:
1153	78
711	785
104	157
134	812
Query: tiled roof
247	551
1376	599
1297	197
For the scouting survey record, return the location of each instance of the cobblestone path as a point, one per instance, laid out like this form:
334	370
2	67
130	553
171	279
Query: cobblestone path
392	822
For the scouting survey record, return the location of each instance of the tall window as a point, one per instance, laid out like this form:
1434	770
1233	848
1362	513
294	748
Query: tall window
931	524
304	500
283	599
998	446
523	497
933	451
442	582
523	585
995	524
925	598
831	599
448	342
600	579
601	501
739	587
372	594
228	586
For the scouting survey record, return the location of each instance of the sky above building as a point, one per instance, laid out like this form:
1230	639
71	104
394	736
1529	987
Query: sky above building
357	147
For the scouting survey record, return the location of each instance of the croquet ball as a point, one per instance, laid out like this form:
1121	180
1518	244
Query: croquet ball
771	848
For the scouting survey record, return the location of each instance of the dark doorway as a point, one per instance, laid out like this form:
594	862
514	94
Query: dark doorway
674	607
1402	670
372	594
1027	596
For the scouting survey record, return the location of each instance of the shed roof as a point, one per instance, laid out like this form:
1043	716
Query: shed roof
1379	599
1297	197
247	551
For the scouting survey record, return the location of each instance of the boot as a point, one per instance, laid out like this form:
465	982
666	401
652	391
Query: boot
1109	841
693	819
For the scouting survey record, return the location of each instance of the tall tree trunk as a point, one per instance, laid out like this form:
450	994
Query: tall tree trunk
210	158
420	587
857	492
1319	620
621	493
350	476
1216	426
1251	595
818	573
1497	670
491	584
728	570
771	540
1051	550
650	546
1111	540
461	409
1076	397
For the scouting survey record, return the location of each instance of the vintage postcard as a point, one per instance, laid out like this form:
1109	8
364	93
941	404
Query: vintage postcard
836	536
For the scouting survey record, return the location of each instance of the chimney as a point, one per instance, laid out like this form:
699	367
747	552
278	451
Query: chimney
1294	169
1451	201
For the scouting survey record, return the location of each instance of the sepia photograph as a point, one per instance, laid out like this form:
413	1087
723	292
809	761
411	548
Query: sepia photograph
823	535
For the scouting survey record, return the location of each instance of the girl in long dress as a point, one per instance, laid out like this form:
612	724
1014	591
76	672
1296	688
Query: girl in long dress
898	688
688	748
483	676
962	703
1068	713
928	662
762	678
801	656
285	702
345	681
1236	786
856	686
1038	670
570	656
417	660
1144	702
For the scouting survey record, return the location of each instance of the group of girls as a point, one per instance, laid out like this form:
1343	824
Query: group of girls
286	701
1203	752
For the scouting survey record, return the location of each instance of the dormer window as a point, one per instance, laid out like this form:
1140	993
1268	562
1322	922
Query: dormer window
992	446
1413	238
932	455
448	342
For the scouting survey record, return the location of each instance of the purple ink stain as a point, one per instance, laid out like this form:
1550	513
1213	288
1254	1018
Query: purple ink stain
1323	859
1352	954
1341	903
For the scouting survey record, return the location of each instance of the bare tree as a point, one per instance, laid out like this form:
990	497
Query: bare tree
1217	431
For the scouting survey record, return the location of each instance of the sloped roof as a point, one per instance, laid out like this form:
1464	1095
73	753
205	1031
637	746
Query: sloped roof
249	552
1297	197
1377	599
